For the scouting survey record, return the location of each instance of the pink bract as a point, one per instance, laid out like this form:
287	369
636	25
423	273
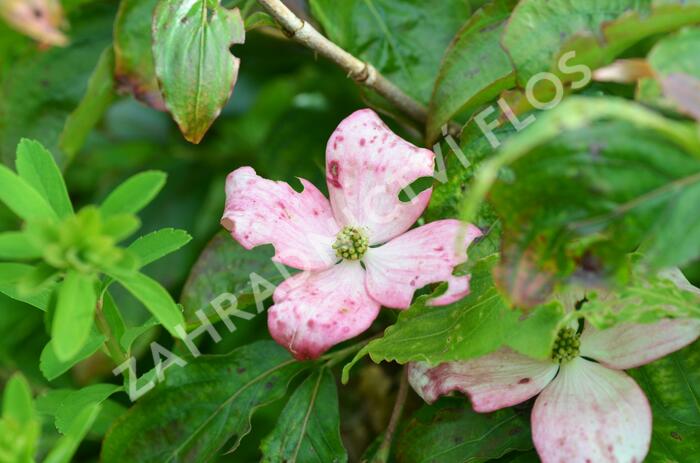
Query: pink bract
585	411
334	299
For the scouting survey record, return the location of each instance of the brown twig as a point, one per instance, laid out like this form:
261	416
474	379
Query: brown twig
360	71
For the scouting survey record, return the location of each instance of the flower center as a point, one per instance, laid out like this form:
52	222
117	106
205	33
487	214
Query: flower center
351	243
566	346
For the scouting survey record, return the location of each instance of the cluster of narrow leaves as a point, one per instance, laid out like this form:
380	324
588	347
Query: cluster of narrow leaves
65	261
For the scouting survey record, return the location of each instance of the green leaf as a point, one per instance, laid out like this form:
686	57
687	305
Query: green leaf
644	299
154	297
203	405
475	68
404	40
671	385
37	167
42	88
17	403
74	403
563	157
134	69
134	194
19	196
98	96
599	47
34	280
17	246
226	267
451	432
308	430
11	275
66	446
195	68
120	226
51	367
471	327
673	62
73	319
19	425
537	29
158	244
132	333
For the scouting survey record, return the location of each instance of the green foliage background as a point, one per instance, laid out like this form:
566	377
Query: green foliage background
619	160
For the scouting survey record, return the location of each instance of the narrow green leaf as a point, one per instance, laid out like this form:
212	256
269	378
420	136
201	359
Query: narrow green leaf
74	403
73	319
475	68
19	425
308	430
17	401
134	194
449	431
132	333
120	226
155	298
17	245
98	96
134	69
158	244
22	199
11	274
206	404
66	446
195	69
36	280
37	166
51	367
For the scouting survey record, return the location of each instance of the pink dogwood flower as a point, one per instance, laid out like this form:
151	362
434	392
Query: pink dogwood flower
356	251
588	410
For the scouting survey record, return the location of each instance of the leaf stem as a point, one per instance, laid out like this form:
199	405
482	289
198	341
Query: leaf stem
112	344
360	71
382	454
333	358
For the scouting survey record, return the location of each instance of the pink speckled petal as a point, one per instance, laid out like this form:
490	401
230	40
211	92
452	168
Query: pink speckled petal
494	381
314	311
367	165
629	345
591	413
300	226
426	254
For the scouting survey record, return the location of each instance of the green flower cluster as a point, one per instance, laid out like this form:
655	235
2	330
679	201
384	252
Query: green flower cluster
566	346
351	243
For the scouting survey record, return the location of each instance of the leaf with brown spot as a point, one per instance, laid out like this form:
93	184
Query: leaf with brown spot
134	68
195	68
